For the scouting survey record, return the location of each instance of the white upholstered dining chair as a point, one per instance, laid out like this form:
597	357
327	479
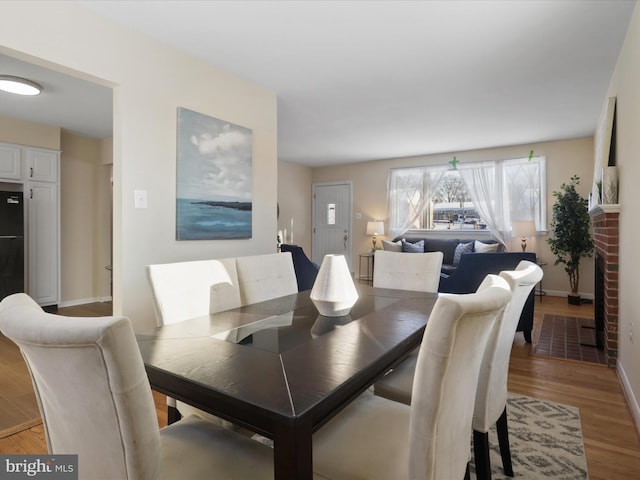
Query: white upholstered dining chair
184	290
263	277
491	397
376	438
96	402
407	271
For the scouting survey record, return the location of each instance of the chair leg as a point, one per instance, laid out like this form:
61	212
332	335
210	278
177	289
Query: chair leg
503	441
173	415
481	455
467	474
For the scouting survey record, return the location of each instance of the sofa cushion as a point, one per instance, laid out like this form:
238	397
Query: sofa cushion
460	249
416	247
447	270
481	247
392	246
445	245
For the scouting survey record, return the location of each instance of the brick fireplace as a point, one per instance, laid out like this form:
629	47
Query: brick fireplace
606	239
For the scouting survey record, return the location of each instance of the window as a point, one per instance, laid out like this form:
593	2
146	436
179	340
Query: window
451	206
475	196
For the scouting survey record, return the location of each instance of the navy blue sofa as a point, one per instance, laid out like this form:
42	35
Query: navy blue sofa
472	269
448	248
467	275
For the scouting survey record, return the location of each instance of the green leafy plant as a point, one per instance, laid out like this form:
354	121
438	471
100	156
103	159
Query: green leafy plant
571	231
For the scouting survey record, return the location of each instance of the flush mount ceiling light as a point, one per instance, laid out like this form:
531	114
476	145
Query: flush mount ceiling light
19	86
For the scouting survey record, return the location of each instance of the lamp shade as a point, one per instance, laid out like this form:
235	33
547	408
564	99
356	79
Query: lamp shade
375	228
334	292
525	228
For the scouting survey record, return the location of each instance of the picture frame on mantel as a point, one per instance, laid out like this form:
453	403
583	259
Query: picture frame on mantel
605	178
213	178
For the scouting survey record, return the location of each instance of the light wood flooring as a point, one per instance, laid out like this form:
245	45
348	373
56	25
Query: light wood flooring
18	405
611	440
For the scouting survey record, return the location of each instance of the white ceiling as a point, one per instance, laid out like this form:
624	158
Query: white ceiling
361	80
77	105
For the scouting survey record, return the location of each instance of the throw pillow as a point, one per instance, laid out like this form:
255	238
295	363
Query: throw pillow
417	247
460	249
392	246
481	247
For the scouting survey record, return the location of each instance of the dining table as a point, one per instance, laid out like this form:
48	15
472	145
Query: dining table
280	369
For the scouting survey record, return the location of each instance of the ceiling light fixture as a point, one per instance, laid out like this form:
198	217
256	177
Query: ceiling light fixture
19	86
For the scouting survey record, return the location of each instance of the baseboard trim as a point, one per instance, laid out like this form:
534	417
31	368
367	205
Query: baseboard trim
83	301
632	401
561	293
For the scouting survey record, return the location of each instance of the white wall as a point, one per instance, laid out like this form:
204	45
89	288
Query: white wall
625	86
13	130
294	199
150	81
79	220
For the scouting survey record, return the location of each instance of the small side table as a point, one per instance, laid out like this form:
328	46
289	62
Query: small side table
539	291
368	258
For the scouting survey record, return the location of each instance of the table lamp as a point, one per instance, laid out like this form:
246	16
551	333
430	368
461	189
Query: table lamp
375	228
523	230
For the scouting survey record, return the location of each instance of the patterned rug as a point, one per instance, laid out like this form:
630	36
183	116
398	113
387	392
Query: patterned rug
569	338
546	441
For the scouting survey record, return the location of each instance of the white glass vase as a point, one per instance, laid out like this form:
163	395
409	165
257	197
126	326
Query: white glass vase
334	292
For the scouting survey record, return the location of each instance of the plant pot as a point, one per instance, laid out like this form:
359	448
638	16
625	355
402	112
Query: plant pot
573	299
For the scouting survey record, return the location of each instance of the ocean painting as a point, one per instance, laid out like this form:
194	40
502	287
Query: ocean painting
214	167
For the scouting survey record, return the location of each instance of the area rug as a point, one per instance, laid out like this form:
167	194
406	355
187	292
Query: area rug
546	441
569	338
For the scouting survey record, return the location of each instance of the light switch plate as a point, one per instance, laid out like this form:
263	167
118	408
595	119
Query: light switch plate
140	198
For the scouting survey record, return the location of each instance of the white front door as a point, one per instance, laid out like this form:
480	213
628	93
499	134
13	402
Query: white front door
332	221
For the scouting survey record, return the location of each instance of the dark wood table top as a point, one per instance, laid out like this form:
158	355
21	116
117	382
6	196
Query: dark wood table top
281	369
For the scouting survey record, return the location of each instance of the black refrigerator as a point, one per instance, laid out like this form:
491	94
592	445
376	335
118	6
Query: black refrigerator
11	243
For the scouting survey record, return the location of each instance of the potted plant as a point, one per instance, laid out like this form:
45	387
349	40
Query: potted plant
571	240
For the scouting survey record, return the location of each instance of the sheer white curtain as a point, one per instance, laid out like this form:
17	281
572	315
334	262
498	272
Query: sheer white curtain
409	193
525	182
485	186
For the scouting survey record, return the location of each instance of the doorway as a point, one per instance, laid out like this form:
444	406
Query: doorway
332	213
85	133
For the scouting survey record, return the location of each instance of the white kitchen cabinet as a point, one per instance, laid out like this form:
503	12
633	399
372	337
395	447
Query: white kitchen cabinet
42	165
43	242
36	170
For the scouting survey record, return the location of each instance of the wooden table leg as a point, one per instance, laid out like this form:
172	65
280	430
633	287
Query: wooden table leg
292	452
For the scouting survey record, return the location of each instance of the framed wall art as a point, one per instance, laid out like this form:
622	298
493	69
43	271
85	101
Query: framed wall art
604	157
214	178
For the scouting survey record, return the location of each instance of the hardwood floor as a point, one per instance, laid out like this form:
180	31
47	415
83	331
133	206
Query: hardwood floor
18	405
611	440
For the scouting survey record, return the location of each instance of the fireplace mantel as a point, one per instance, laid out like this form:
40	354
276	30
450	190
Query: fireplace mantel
604	209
